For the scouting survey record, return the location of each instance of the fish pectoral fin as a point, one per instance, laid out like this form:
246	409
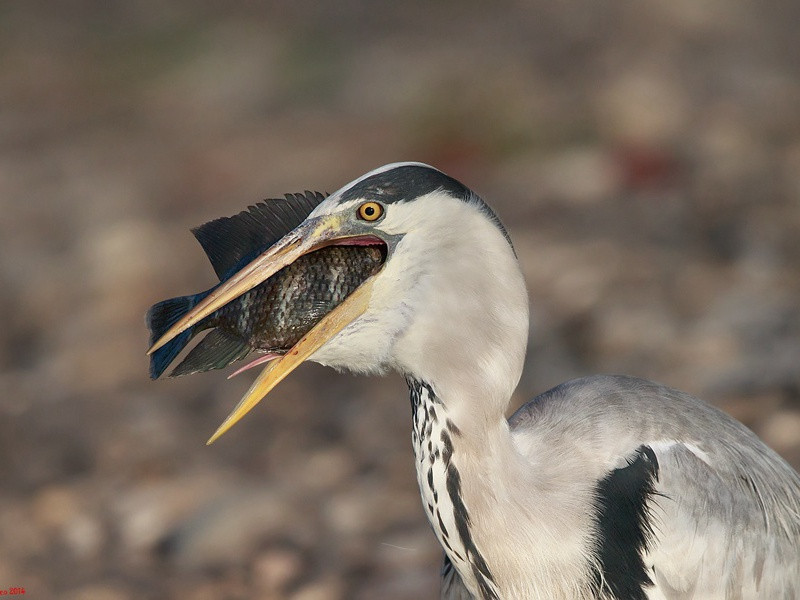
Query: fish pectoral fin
215	351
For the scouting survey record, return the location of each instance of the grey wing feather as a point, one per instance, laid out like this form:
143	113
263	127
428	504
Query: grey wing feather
727	508
727	524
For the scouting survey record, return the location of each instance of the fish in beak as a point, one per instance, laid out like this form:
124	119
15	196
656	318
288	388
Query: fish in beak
340	317
287	301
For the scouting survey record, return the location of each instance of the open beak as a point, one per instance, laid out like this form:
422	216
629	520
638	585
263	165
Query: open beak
345	313
309	236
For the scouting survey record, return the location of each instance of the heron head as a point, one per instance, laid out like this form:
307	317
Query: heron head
449	286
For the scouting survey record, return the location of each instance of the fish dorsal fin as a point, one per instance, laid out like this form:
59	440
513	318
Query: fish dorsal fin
230	240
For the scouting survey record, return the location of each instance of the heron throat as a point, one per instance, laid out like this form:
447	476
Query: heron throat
434	437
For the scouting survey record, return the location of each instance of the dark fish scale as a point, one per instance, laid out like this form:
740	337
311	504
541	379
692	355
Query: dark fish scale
271	317
275	314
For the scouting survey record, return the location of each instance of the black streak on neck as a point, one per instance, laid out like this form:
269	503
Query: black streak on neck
624	526
480	569
416	387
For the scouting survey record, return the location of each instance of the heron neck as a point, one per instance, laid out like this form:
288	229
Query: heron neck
458	457
469	330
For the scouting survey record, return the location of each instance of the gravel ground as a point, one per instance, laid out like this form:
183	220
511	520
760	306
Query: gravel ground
644	156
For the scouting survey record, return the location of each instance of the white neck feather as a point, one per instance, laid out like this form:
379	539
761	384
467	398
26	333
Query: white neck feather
451	310
469	318
467	340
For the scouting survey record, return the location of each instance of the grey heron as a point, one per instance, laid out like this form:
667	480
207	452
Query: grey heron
607	487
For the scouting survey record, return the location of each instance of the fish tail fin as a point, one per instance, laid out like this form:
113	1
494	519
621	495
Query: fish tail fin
160	318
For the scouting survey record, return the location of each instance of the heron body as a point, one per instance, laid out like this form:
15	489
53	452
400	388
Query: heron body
604	488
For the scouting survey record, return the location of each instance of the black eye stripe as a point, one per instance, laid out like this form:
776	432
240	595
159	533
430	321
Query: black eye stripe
406	182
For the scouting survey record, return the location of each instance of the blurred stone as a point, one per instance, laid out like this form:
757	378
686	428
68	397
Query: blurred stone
214	589
275	570
706	351
643	167
782	430
408	584
228	529
644	104
98	592
749	409
29	537
701	16
632	330
56	510
328	589
54	506
324	469
791	172
729	145
84	535
146	514
347	512
571	277
580	175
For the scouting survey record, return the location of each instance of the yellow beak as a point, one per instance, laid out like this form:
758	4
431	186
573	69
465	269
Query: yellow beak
311	235
353	307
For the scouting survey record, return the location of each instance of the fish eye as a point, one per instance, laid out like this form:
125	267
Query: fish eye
370	211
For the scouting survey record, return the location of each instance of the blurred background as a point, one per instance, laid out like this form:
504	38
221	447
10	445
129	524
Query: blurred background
645	157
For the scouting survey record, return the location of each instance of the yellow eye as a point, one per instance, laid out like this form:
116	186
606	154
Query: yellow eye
370	211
